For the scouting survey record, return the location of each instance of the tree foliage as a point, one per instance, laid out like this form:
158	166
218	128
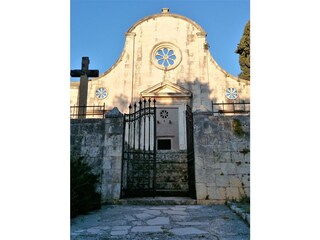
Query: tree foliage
243	50
84	197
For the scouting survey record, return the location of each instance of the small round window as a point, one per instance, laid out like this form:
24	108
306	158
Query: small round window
164	114
231	93
101	93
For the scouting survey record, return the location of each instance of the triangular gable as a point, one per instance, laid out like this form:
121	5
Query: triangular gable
166	89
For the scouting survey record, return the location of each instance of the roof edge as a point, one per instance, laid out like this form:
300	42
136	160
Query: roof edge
167	15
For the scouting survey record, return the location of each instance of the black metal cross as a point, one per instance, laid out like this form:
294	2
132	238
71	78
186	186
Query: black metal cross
84	73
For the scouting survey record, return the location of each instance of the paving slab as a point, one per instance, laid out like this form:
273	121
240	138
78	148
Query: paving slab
175	212
159	221
168	222
187	231
153	212
193	223
159	208
119	232
115	228
144	216
146	229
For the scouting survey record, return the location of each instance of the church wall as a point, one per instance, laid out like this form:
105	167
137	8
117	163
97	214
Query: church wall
135	71
222	163
74	91
100	141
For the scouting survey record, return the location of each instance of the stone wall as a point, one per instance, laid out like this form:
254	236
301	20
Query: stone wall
87	139
172	171
222	159
100	141
111	165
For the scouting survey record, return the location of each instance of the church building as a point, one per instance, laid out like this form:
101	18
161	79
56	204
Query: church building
166	59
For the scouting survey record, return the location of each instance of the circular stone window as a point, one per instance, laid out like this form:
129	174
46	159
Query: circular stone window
101	93
166	56
164	114
231	93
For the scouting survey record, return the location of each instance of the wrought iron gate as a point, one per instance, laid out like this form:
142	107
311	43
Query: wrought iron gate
139	150
190	152
139	161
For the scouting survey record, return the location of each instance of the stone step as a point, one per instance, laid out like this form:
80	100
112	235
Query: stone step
159	201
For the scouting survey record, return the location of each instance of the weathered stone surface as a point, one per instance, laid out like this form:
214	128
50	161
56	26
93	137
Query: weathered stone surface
233	193
247	191
117	228
175	212
217	163
146	229
159	221
235	182
187	231
222	180
201	190
229	168
153	212
200	175
217	193
114	113
204	222
144	216
193	223
119	232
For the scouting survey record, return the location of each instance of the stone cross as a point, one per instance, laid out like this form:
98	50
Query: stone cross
84	73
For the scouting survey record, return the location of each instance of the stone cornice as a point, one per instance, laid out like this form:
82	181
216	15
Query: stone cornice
168	15
177	91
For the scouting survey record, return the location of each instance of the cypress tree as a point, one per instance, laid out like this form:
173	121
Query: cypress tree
243	50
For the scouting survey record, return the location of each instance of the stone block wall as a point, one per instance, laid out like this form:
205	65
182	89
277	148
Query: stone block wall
87	139
172	170
100	141
222	159
111	165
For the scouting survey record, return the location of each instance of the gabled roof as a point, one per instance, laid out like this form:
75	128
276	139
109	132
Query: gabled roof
166	89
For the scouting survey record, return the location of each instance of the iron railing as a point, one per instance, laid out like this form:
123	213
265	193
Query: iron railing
231	108
95	111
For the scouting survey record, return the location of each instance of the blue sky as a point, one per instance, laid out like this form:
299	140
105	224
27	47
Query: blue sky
98	27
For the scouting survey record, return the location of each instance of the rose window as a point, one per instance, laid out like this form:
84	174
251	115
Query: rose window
165	57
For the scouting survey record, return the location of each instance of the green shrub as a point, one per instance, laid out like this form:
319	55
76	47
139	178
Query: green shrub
84	197
237	128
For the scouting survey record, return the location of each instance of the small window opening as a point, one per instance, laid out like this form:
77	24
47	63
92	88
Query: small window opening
164	144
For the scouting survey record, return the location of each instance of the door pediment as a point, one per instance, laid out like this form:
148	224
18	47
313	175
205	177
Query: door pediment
166	89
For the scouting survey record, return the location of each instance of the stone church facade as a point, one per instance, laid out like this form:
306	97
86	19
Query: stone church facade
166	57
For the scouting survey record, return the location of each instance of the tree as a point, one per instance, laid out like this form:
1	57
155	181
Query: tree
84	197
243	50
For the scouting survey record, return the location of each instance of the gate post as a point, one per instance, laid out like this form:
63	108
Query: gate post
190	152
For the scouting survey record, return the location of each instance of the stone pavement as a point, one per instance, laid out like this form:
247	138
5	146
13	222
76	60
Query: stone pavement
214	222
